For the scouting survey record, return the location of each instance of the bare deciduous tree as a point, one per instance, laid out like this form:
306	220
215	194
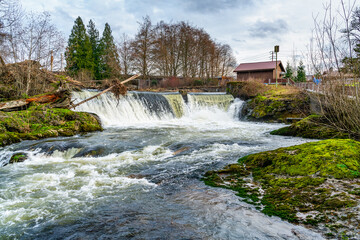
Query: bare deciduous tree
125	54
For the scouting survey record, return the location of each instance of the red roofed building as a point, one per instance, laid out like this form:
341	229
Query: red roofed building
259	70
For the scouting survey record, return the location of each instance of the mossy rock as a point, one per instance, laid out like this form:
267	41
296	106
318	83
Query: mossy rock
313	127
44	122
276	109
320	180
338	158
18	157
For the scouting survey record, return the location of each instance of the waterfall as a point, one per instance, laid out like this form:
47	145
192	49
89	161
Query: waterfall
177	103
146	107
221	101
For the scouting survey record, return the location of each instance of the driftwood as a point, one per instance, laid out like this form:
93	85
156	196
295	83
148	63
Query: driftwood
74	82
105	91
44	99
13	104
48	98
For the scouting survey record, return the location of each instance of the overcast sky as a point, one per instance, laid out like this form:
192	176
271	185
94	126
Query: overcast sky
250	27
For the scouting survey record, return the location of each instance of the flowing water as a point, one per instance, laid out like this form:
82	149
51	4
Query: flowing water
141	177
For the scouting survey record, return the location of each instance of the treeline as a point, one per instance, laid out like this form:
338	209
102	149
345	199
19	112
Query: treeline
164	49
177	49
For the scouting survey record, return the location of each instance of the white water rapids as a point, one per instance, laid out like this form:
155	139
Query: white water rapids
141	177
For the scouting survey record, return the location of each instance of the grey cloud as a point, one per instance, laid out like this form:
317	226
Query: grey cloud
216	6
198	6
263	29
239	40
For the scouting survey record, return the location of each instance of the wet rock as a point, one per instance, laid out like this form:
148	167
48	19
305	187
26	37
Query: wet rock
91	152
50	147
18	157
181	150
314	127
136	176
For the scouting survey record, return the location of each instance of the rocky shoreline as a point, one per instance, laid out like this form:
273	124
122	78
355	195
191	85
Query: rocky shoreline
314	184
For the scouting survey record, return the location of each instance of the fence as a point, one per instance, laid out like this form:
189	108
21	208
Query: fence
346	87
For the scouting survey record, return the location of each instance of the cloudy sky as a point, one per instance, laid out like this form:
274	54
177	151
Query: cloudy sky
250	27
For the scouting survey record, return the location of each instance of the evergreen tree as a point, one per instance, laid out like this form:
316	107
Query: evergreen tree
301	75
289	72
79	54
109	56
95	48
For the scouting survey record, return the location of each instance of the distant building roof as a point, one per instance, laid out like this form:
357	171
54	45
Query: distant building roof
258	66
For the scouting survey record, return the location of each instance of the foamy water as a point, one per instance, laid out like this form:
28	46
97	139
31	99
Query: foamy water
127	182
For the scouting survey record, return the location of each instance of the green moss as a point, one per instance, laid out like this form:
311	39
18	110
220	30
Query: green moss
18	157
296	179
337	158
313	126
43	122
275	108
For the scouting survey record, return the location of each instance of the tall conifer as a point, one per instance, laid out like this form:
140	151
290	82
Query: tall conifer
94	42
301	75
78	53
109	55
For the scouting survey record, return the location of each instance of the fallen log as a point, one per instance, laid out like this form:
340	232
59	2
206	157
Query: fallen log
48	98
105	91
44	99
74	82
13	104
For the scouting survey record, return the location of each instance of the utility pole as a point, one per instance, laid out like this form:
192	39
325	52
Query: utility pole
272	55
276	50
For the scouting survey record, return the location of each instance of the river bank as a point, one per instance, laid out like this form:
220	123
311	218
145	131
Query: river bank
39	122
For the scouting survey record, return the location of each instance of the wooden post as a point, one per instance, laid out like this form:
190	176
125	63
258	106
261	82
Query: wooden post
61	63
276	50
51	60
106	90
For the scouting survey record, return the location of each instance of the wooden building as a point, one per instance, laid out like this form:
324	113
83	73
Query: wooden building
260	70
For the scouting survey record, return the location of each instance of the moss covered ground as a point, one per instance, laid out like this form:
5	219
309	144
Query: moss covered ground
313	126
42	122
316	184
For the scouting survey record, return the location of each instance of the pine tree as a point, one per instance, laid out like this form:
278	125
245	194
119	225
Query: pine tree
79	54
95	48
301	75
289	72
109	56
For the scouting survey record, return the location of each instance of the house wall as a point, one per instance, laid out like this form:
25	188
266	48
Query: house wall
241	76
279	70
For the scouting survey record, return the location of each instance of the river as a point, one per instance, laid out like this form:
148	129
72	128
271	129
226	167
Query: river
141	177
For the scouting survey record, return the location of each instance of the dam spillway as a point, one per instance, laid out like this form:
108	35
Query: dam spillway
141	107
